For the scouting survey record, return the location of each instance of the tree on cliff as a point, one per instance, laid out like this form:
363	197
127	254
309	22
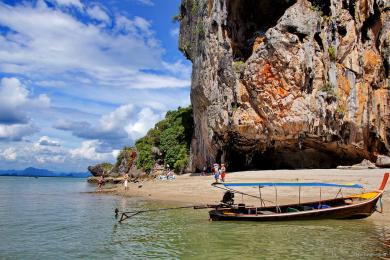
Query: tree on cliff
168	142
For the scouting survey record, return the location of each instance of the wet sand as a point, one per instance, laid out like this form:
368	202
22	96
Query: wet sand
197	190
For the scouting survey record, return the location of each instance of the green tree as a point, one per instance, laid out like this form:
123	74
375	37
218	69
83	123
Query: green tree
172	136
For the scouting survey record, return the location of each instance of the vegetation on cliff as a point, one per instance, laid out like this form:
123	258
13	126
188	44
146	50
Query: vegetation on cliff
168	142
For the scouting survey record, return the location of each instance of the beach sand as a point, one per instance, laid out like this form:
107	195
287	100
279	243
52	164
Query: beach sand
197	190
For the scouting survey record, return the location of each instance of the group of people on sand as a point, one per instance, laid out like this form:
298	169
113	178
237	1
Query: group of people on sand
101	182
219	172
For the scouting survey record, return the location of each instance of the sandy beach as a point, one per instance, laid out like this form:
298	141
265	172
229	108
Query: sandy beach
195	190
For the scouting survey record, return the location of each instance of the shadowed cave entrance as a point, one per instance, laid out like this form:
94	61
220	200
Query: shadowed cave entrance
286	159
248	20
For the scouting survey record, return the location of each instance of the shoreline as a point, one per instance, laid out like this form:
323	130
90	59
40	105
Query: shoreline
197	190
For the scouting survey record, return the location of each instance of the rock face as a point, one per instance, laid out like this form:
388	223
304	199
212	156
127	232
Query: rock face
288	84
383	161
124	165
100	169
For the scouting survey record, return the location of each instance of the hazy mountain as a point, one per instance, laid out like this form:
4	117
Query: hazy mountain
34	172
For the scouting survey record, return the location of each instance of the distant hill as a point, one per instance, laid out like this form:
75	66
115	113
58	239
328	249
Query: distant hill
34	172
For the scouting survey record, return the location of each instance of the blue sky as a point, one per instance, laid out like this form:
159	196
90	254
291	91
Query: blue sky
81	79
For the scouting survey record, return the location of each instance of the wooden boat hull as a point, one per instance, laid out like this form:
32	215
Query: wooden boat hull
355	211
351	207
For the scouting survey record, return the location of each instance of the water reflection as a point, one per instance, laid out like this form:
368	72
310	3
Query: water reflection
51	219
189	234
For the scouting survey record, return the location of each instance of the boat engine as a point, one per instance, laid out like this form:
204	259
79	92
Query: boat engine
228	198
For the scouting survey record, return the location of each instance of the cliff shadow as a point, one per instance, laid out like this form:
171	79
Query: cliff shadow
248	20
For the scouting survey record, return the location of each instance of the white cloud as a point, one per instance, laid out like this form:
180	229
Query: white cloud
114	130
87	67
146	119
9	154
117	118
46	141
98	13
16	102
146	2
143	25
16	132
115	153
75	3
14	94
88	150
115	57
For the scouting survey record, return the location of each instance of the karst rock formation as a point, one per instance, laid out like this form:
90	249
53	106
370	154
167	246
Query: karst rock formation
288	84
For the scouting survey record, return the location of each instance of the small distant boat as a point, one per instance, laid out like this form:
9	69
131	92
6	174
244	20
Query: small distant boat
355	206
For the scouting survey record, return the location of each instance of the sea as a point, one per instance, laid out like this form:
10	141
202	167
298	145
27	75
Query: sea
59	218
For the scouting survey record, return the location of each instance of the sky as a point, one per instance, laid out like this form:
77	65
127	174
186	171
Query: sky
79	79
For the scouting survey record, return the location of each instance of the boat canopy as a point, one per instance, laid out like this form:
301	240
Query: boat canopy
290	184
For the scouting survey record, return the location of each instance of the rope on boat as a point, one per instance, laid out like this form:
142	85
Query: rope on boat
339	192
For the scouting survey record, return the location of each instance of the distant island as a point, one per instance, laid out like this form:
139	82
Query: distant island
34	172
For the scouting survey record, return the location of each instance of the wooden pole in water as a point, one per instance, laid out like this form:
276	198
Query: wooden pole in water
319	205
276	200
299	200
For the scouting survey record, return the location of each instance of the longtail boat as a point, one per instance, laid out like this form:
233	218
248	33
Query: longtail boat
350	207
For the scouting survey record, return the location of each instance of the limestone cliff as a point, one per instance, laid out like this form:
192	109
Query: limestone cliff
288	84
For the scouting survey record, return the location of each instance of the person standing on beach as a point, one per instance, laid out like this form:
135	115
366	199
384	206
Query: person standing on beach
216	172
223	172
101	183
216	167
216	176
126	178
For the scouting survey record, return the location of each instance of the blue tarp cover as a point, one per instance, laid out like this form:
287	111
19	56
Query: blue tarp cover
291	184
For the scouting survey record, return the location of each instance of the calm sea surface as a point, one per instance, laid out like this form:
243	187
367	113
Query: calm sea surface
53	218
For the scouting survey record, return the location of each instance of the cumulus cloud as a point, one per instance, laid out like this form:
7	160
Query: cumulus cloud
120	127
98	14
146	119
12	92
88	150
9	154
46	141
16	132
37	153
117	118
110	138
75	3
15	101
15	104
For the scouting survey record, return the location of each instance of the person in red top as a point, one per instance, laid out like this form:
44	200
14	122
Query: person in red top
223	172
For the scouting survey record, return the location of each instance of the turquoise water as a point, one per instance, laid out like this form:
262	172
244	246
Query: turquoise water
53	218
